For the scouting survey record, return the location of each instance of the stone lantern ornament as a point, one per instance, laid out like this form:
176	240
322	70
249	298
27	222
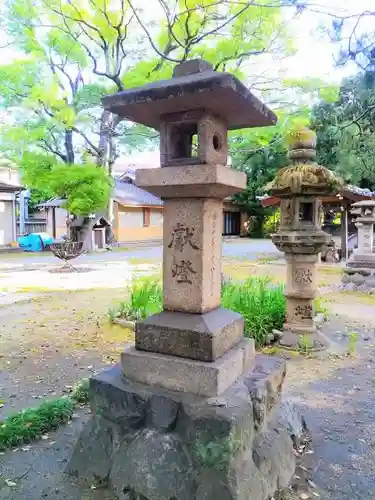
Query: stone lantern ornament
359	273
191	413
300	187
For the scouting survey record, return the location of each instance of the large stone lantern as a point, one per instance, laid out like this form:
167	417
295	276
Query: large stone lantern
300	187
191	413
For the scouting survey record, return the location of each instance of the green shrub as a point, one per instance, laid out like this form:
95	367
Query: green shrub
145	298
271	223
261	304
80	392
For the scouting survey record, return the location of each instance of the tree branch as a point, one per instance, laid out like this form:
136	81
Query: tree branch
91	145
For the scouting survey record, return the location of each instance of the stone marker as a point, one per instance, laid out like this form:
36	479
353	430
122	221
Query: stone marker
191	413
300	187
359	273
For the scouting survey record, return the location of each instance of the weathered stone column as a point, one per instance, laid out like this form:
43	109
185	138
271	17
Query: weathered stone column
365	237
300	292
191	413
300	237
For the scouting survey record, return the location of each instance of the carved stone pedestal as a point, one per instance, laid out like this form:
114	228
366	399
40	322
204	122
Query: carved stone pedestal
300	293
154	444
300	329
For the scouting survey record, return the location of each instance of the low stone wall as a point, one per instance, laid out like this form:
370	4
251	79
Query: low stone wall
358	279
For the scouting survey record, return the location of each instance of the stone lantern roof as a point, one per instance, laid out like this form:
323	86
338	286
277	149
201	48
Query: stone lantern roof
304	176
194	85
364	211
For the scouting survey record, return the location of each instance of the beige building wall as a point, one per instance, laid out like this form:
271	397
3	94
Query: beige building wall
138	223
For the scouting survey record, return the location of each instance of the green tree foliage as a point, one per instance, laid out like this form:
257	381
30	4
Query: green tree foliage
260	164
86	187
346	131
75	52
260	153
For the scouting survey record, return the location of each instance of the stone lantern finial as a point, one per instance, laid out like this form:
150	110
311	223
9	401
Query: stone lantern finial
302	145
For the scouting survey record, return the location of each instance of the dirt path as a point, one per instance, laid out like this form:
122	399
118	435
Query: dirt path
52	342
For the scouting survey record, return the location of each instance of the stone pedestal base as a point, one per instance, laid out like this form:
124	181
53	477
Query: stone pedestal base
359	277
151	444
187	375
204	337
304	341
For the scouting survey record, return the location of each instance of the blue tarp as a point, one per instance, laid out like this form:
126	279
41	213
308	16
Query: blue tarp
35	242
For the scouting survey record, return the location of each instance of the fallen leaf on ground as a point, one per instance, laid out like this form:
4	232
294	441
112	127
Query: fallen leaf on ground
10	483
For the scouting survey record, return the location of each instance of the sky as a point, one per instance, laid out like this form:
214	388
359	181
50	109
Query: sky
315	56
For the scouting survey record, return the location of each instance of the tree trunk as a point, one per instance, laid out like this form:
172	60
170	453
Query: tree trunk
107	155
69	146
86	234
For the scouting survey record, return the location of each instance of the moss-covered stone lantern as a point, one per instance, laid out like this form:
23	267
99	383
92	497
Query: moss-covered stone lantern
300	187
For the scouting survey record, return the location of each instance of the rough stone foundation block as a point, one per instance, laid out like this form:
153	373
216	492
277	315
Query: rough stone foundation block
182	374
155	444
359	279
204	337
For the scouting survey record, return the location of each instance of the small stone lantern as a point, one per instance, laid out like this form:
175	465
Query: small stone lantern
359	273
300	187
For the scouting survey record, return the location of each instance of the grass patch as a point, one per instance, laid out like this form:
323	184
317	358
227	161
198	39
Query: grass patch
267	260
36	289
31	423
330	270
321	306
261	304
145	299
257	299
